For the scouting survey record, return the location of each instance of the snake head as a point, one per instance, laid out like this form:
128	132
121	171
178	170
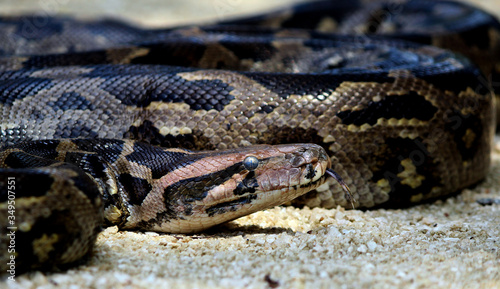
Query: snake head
215	187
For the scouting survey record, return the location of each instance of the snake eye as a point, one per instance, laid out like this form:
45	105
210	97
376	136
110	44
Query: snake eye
251	163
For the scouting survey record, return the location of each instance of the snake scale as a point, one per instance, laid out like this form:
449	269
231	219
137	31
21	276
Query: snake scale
103	118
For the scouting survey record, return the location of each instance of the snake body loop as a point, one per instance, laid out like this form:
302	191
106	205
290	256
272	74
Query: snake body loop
102	121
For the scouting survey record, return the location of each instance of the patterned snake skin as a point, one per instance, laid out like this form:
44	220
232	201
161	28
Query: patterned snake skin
402	122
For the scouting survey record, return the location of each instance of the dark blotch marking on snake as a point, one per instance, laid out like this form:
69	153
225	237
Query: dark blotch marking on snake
137	189
408	106
71	100
168	54
78	130
256	51
169	88
60	227
43	148
311	172
108	149
92	164
148	133
196	188
158	161
456	82
247	185
19	160
392	153
311	84
467	132
230	206
19	88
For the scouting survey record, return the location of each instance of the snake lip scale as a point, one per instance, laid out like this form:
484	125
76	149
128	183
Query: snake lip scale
180	129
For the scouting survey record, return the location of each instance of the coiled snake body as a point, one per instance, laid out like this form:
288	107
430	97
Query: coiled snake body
99	120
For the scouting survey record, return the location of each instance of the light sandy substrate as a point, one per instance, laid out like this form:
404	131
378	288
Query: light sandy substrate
450	244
